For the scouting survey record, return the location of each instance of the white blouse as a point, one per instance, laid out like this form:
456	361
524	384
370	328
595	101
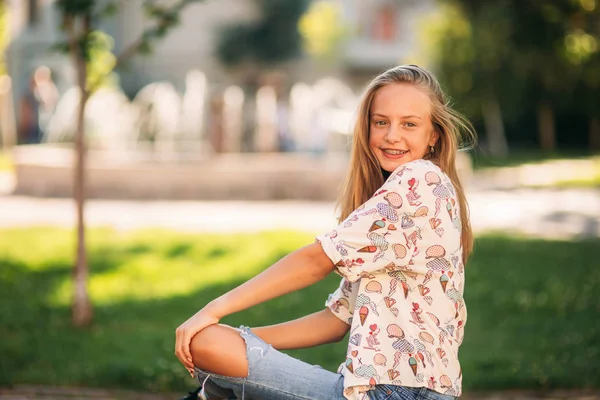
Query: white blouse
400	257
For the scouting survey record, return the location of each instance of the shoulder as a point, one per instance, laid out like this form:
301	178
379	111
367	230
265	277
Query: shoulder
417	169
419	181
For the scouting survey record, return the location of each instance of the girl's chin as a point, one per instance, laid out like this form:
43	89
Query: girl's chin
391	166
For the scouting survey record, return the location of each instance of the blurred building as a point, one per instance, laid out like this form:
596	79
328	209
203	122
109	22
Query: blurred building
305	106
381	32
35	28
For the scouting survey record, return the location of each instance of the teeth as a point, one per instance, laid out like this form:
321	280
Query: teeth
394	152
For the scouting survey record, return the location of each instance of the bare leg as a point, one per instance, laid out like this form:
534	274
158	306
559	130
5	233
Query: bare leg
220	349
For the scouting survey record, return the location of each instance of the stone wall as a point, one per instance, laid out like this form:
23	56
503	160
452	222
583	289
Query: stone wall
47	171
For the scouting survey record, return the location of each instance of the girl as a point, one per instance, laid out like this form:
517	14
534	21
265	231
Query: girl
401	246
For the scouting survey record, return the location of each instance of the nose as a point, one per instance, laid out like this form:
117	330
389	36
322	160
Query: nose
393	134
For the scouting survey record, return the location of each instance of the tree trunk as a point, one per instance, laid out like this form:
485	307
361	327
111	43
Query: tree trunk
8	126
595	133
82	307
215	123
494	128
546	126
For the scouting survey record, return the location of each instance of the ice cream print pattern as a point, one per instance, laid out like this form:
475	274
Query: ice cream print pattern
401	293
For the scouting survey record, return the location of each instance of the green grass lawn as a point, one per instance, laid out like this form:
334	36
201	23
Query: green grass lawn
533	307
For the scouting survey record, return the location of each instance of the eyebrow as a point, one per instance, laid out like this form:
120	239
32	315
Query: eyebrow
404	116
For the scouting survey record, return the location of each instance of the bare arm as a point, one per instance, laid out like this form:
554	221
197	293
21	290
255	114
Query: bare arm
295	271
312	330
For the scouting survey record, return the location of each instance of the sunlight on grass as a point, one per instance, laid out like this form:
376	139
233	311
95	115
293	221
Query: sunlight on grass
173	265
39	247
532	307
589	181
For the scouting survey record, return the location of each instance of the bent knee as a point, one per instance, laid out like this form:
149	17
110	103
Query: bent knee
220	349
205	342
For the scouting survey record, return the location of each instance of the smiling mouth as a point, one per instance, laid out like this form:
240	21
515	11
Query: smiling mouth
394	152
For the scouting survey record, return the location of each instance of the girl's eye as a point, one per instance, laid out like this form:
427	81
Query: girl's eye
410	125
380	123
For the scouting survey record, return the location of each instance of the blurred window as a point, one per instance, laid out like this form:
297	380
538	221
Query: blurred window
385	23
33	12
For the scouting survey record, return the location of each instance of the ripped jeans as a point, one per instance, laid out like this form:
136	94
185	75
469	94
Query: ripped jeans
273	375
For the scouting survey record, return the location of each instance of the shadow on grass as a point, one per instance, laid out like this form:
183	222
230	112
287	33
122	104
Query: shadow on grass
586	225
130	344
532	321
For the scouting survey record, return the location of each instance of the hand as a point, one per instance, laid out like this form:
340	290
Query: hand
185	333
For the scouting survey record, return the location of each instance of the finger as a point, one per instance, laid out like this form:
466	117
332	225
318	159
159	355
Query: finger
177	338
187	349
179	356
178	346
184	351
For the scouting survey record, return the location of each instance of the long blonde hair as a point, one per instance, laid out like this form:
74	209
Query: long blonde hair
454	130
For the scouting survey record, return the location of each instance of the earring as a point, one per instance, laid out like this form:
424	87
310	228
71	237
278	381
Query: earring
431	149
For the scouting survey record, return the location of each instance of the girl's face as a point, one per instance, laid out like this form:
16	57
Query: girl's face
400	127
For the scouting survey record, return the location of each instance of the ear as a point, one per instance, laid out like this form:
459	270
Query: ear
434	137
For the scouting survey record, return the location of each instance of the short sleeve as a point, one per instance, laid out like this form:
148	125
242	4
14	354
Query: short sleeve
384	233
341	302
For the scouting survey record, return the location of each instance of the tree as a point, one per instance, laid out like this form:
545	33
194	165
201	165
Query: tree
468	44
90	52
271	39
542	33
581	50
517	58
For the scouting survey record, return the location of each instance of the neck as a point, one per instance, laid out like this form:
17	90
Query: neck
386	174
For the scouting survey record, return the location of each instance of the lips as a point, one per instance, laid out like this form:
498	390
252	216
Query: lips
393	153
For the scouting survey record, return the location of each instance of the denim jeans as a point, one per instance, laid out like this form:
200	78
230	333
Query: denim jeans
393	392
273	375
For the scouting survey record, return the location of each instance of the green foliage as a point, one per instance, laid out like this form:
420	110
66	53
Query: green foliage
532	307
109	9
322	29
519	53
271	39
100	59
76	8
95	46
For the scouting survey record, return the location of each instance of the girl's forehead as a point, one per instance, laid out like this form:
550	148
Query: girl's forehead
401	98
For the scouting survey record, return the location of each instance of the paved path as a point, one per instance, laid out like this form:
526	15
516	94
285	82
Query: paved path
74	393
498	197
550	213
58	393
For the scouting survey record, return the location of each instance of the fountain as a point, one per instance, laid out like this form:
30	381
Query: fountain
163	145
158	146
